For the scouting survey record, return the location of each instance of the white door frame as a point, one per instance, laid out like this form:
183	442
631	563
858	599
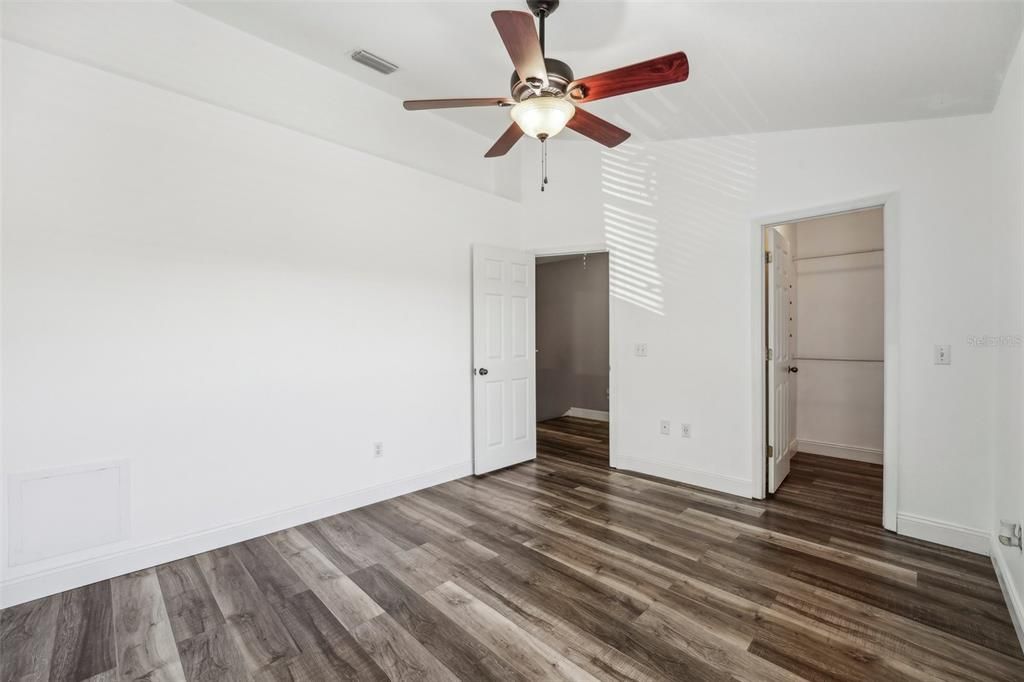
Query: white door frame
613	393
891	258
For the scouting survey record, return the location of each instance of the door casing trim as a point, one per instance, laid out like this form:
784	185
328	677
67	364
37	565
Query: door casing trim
889	202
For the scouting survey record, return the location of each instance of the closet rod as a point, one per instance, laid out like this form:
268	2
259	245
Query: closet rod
839	359
836	255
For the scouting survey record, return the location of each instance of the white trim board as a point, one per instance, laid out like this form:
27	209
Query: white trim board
703	479
1014	600
943	533
598	247
70	576
840	451
584	413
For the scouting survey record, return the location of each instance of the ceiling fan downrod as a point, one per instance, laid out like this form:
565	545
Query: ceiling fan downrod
542	9
543	51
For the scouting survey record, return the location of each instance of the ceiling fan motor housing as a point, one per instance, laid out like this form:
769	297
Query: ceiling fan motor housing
559	77
547	7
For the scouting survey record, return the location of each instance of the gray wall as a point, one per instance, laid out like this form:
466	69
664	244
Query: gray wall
572	334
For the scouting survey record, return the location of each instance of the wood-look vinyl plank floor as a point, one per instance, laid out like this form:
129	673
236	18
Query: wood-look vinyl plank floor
556	569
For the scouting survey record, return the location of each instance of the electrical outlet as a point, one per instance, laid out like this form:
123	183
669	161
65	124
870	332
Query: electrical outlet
1010	534
666	427
640	350
378	450
942	355
686	430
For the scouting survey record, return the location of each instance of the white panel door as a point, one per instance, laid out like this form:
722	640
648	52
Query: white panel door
504	400
781	367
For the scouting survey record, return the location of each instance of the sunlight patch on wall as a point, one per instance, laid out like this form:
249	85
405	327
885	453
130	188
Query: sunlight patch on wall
630	229
671	211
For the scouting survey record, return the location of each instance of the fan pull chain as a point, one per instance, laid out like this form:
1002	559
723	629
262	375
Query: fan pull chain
543	164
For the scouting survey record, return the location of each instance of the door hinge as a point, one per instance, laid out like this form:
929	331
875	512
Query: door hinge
767	256
770	353
770	452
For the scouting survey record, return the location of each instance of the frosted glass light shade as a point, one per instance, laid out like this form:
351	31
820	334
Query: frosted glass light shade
542	117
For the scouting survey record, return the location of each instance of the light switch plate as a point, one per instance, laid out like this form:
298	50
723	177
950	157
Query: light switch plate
640	350
942	355
666	427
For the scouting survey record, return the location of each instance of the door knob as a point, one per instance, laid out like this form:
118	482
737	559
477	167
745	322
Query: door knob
483	371
794	370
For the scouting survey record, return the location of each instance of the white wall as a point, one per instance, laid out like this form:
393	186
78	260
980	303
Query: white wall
840	338
1007	354
227	304
169	45
678	218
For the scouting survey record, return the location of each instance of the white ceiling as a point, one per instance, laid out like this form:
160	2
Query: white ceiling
754	67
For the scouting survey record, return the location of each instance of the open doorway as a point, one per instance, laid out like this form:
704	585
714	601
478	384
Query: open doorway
824	341
572	332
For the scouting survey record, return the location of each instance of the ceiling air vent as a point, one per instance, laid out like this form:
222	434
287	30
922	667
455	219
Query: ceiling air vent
374	62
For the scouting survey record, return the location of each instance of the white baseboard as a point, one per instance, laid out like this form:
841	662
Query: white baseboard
1014	600
584	413
840	451
943	533
697	477
70	576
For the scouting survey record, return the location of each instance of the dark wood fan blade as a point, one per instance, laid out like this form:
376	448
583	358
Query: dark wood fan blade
505	142
419	104
596	128
672	68
520	37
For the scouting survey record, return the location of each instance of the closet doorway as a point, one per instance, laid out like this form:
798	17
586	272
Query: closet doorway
824	342
572	328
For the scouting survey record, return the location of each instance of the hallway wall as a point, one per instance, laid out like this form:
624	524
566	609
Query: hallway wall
572	334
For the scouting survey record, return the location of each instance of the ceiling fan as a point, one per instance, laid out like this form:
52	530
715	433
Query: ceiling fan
545	95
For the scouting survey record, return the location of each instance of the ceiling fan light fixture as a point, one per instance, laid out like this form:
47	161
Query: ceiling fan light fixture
542	117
